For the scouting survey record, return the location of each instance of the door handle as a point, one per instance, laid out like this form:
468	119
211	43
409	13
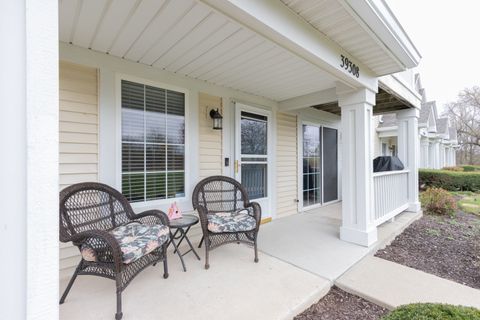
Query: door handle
236	166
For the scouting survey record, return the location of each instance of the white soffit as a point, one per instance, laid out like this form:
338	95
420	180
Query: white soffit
190	39
338	21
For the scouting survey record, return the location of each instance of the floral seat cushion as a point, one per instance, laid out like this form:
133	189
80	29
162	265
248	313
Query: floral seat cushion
135	240
231	222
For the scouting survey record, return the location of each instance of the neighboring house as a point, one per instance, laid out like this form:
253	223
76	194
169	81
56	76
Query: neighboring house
438	139
298	89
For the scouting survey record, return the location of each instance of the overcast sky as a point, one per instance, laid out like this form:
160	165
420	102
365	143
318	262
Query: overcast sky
447	34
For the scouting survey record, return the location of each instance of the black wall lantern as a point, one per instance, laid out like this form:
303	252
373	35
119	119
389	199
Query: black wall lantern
217	119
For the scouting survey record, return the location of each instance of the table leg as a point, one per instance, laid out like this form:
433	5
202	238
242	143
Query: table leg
172	241
182	236
183	233
191	247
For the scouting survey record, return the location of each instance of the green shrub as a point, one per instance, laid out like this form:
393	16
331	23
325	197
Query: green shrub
432	311
438	202
470	168
449	180
453	168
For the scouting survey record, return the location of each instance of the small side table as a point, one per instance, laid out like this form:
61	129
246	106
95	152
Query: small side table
182	226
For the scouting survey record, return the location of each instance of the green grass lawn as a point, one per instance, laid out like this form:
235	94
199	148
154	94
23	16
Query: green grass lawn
470	202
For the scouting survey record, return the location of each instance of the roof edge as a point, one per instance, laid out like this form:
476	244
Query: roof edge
378	16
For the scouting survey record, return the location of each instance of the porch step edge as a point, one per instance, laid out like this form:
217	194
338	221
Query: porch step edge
307	303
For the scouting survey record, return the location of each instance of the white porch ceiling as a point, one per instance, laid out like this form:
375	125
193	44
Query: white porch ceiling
191	39
335	20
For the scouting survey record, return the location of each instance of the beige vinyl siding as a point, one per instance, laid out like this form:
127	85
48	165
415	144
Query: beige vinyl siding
210	141
286	164
78	137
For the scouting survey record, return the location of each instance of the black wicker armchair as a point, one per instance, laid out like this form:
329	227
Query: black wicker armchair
226	214
93	216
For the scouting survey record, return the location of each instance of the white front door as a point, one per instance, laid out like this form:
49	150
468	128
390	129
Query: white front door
252	154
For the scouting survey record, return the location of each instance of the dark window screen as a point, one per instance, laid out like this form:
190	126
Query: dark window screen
330	163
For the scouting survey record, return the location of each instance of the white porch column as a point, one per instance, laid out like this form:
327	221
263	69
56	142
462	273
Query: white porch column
447	156
436	154
431	155
408	152
29	161
357	167
424	153
441	153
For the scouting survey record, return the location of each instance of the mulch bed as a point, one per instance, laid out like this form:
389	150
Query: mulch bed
340	305
443	246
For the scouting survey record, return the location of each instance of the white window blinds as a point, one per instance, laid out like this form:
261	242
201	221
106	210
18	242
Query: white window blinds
153	142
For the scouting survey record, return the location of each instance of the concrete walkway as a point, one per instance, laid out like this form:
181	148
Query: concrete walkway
390	285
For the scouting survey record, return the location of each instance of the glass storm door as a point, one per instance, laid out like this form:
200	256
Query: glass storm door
319	165
252	154
312	165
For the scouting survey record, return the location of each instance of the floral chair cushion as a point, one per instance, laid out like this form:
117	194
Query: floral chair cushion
135	240
231	222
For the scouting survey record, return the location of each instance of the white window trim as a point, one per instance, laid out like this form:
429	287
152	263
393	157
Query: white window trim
118	138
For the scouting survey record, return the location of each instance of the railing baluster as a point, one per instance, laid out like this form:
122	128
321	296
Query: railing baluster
390	193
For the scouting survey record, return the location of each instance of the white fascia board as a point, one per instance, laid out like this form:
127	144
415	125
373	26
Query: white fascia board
378	17
432	122
308	100
388	134
275	21
435	112
387	128
393	84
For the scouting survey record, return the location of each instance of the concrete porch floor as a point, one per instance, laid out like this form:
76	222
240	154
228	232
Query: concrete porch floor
300	257
311	240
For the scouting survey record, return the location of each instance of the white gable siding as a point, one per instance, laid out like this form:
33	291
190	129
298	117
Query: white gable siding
78	137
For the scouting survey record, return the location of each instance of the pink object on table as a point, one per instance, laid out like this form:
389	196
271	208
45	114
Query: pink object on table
174	212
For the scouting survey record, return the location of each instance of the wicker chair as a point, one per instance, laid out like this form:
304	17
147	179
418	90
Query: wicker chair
89	212
216	199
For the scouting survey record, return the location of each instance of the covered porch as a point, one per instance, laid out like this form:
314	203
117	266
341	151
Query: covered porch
129	66
295	270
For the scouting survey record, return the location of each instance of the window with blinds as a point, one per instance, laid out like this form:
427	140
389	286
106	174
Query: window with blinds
153	142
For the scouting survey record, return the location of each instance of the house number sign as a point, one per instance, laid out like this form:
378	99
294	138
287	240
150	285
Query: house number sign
349	66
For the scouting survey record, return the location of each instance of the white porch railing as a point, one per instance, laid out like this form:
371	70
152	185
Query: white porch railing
390	194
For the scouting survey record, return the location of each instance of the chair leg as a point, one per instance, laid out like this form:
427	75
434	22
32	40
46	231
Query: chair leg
207	245
201	241
256	250
70	283
119	313
165	265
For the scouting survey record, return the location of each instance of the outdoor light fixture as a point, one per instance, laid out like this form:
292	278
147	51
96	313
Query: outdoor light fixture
217	119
